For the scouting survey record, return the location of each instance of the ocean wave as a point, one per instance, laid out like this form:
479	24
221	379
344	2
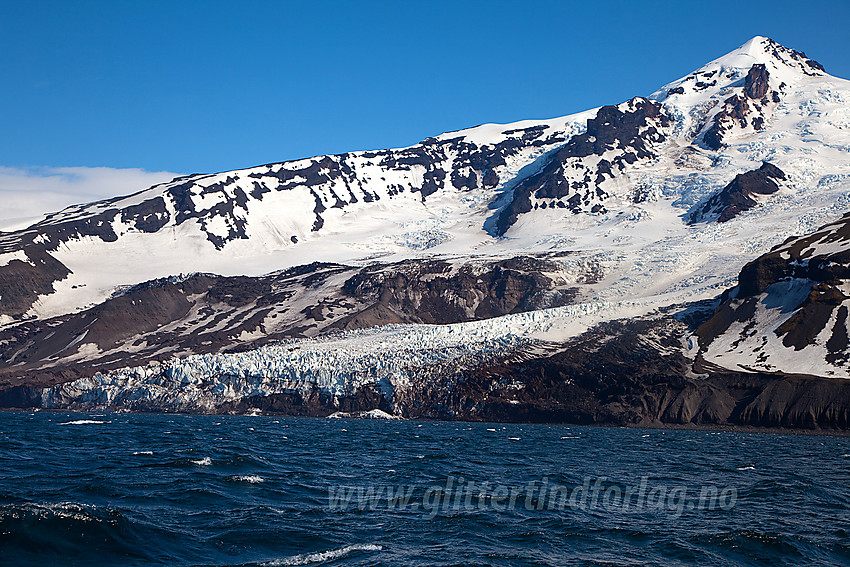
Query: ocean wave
250	478
66	529
321	556
62	510
83	422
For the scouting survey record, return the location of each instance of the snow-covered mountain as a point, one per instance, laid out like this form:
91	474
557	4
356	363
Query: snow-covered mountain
485	248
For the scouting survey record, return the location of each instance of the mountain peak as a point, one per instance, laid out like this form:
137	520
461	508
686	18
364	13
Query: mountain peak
763	50
782	64
757	47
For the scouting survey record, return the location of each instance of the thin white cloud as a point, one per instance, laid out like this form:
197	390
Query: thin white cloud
28	194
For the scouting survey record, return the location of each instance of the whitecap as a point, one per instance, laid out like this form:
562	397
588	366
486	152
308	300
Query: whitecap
251	478
747	468
143	452
490	429
82	422
322	556
514	438
205	462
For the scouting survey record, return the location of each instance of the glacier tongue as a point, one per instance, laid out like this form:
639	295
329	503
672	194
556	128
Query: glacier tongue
391	357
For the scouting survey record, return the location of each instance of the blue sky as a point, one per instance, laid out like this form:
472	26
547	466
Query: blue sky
211	86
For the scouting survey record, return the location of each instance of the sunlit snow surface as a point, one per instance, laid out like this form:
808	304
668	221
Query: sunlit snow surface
649	256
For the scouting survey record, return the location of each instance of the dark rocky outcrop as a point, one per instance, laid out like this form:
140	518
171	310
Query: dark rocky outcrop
788	55
21	282
564	182
20	397
742	110
797	258
736	110
435	293
738	195
800	402
757	82
815	312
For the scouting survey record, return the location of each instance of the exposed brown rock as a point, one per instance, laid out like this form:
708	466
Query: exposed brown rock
757	82
738	195
736	109
807	323
22	282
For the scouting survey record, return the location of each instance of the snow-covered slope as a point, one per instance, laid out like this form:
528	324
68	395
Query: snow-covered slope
350	207
657	201
788	313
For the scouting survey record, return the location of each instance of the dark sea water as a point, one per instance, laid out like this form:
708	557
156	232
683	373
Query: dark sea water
84	489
